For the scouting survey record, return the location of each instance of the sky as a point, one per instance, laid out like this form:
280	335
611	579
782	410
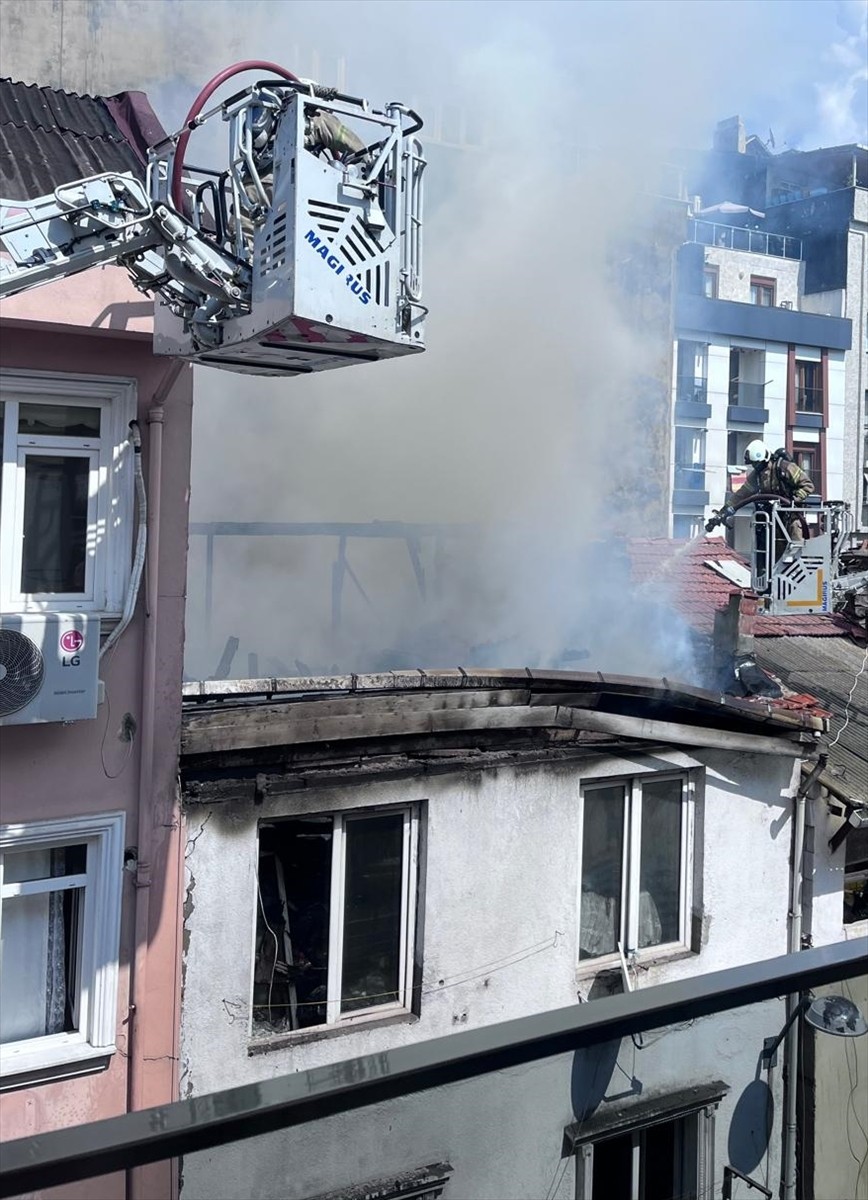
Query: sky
527	401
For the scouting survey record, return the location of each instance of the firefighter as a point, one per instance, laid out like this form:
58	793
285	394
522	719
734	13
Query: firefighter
776	475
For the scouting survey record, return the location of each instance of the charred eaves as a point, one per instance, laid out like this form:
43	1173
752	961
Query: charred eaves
263	736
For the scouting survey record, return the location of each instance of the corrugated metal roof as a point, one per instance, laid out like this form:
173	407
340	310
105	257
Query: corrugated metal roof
828	668
49	137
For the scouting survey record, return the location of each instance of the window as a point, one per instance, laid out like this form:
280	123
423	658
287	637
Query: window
692	372
423	1183
809	387
710	279
60	899
689	458
652	1149
65	521
336	919
762	292
636	865
747	377
856	876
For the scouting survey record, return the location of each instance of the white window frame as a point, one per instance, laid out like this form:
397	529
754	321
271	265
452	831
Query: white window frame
409	888
110	490
631	866
100	937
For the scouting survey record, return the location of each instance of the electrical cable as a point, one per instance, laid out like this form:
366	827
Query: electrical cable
850	699
108	774
453	981
276	948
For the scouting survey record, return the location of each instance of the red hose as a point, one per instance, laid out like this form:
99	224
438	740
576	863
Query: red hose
199	103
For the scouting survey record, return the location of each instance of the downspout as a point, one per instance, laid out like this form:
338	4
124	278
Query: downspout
794	946
146	813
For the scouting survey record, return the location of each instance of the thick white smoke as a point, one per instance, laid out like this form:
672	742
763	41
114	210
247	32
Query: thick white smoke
536	413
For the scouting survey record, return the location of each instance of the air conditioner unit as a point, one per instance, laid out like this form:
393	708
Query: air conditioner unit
49	668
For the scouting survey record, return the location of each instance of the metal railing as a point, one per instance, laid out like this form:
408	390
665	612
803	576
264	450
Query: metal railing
691	390
691	478
754	241
217	1119
747	395
809	400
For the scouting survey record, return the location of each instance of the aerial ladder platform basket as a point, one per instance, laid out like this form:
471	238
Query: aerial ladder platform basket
302	253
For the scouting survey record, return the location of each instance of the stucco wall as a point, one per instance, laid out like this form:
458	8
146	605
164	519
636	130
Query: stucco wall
54	770
735	268
502	875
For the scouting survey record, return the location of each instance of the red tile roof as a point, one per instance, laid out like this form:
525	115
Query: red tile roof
697	591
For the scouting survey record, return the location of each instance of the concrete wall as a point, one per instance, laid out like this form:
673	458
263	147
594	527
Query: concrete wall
54	770
502	875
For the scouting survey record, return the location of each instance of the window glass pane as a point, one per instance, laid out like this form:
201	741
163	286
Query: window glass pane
39	952
660	862
613	1168
290	977
372	911
55	524
659	1171
58	420
602	849
20	866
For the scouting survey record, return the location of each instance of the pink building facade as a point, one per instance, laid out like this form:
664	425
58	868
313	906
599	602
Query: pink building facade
91	845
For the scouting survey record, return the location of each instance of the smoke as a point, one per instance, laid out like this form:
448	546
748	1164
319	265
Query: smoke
534	429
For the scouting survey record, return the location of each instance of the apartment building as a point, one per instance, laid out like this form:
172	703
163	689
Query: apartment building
374	861
769	321
91	657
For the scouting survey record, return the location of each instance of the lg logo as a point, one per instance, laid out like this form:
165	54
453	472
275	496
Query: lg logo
71	643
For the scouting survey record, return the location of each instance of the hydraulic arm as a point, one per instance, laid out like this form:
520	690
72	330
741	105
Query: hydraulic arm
303	252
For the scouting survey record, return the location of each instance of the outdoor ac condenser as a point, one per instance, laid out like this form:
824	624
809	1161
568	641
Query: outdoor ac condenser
49	668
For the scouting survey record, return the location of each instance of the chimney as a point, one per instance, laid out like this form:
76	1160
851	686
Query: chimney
734	630
729	136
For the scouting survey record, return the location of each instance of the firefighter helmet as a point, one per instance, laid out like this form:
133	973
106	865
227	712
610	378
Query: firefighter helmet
757	453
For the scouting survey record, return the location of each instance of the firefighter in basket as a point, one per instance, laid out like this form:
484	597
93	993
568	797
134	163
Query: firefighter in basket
770	475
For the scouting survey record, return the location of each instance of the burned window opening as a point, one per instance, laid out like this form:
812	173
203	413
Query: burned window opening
335	913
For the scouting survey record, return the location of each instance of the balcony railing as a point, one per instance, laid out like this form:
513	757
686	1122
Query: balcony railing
747	395
754	241
809	400
690	479
691	390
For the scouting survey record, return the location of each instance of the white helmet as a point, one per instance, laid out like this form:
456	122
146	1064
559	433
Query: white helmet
757	453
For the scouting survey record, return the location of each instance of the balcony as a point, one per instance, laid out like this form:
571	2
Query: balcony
699	315
691	398
689	490
747	395
747	403
691	391
753	241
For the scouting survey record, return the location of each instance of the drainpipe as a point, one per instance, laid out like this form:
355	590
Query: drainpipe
794	945
147	816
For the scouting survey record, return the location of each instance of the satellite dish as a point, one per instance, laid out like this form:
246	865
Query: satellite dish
836	1015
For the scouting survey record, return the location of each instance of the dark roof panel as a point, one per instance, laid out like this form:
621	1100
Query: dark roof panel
49	137
834	671
30	107
33	162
